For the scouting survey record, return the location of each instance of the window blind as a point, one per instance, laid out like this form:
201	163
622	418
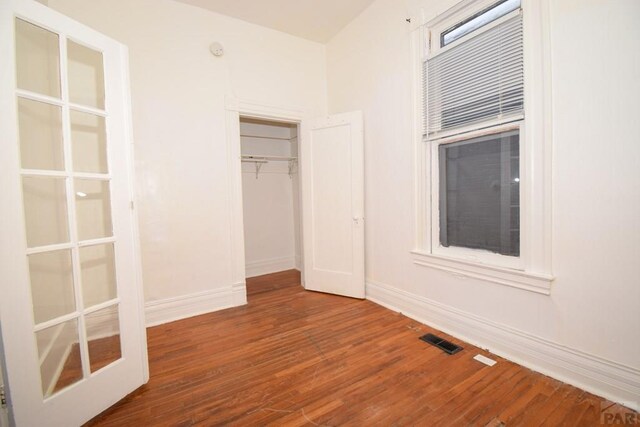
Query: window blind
477	80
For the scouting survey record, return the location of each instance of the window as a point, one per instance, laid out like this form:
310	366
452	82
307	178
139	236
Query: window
483	154
479	193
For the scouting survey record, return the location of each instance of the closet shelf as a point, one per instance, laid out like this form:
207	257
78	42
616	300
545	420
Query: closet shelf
268	158
279	138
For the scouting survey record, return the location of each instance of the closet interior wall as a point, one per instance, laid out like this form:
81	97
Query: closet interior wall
271	202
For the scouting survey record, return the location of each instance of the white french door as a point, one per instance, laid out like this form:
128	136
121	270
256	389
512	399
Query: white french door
332	168
73	337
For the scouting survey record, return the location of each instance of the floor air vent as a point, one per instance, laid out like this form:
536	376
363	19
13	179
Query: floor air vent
441	343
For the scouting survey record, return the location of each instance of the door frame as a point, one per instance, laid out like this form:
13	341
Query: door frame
234	109
4	410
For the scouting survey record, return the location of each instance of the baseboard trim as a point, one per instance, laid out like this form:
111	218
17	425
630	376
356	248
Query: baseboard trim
182	307
267	266
239	294
605	378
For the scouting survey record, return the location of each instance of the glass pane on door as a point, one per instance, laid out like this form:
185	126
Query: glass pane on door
86	75
52	292
37	59
60	361
103	335
40	128
89	139
93	209
97	264
45	210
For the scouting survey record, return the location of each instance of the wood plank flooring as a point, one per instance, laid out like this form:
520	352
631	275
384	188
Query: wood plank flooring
292	357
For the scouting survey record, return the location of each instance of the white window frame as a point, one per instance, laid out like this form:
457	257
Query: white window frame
532	269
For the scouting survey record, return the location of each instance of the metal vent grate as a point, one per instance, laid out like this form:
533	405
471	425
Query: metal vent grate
441	343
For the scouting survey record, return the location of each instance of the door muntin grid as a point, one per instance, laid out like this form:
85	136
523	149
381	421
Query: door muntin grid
67	201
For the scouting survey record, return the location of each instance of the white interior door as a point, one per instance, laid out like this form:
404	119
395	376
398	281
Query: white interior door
332	167
73	337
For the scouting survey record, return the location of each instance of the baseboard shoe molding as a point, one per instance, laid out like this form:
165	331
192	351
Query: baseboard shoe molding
608	379
267	266
182	307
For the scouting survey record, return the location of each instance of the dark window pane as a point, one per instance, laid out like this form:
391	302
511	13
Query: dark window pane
480	193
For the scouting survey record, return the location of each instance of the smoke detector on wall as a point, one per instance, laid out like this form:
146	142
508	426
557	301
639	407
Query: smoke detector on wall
216	49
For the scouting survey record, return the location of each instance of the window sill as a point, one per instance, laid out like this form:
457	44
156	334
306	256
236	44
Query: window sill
533	282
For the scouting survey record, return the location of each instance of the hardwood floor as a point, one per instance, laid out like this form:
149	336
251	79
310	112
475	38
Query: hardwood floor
292	357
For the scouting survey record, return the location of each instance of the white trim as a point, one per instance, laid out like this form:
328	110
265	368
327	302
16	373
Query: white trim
536	199
239	294
245	108
234	185
421	156
539	283
86	109
34	96
487	127
56	321
259	110
606	378
184	306
267	266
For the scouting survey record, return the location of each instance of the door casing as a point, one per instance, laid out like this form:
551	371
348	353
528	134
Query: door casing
235	109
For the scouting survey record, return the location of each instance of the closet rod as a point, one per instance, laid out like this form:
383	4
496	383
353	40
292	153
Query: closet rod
258	161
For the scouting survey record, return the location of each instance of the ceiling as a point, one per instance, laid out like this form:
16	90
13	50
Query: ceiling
316	20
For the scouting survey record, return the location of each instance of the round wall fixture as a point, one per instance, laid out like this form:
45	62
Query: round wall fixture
216	49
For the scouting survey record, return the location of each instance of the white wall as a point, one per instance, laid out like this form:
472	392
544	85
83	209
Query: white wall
269	200
178	93
591	319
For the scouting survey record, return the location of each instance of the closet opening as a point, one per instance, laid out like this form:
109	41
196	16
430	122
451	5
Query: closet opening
271	196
